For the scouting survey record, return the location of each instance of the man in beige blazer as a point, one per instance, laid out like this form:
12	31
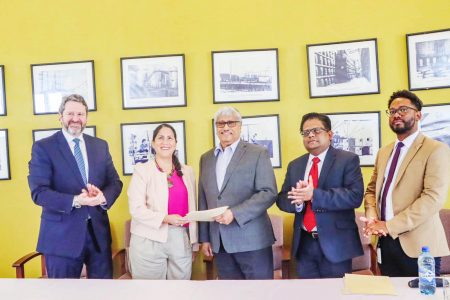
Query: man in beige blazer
407	189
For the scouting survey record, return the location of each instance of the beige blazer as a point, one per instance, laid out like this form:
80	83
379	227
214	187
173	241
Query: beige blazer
419	192
148	196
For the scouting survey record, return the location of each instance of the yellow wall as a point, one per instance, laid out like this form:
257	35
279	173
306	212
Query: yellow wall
43	31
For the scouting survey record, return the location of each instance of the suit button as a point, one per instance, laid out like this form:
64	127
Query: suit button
220	198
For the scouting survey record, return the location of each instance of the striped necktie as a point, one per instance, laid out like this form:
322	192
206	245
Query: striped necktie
79	159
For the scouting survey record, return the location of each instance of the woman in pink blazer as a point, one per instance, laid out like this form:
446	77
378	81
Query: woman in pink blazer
161	192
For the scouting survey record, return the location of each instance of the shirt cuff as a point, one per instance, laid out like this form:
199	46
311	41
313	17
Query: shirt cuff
299	207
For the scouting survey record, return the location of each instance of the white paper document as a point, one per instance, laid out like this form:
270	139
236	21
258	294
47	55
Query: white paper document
206	215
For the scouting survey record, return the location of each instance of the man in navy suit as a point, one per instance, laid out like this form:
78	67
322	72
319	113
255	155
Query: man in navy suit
72	176
323	188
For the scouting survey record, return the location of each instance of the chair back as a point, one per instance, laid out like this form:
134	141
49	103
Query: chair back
362	262
277	247
445	218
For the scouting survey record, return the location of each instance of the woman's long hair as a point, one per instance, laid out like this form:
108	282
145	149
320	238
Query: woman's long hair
175	160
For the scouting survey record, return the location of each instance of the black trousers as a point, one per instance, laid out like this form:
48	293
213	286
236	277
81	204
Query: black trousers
395	263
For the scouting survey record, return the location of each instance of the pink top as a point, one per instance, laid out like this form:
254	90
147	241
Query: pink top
178	197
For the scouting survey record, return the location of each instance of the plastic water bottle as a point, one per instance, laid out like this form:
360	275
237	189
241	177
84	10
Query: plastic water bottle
427	280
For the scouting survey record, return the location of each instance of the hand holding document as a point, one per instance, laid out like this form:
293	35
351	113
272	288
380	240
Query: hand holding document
205	215
369	285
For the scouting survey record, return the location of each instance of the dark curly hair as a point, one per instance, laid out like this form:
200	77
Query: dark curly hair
408	95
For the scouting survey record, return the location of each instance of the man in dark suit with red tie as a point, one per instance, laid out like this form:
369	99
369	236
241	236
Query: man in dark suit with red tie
73	179
323	188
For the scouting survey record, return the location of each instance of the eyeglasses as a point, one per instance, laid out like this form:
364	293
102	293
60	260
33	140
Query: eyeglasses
402	110
230	124
316	131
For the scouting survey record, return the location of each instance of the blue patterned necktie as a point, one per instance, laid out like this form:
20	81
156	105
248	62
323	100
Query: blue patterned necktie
79	159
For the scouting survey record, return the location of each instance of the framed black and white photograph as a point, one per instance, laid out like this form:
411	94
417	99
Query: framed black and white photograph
261	130
245	75
357	132
2	92
137	142
39	134
53	81
343	68
5	173
153	81
428	59
435	122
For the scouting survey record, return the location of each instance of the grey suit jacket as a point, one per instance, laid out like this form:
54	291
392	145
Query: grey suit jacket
249	189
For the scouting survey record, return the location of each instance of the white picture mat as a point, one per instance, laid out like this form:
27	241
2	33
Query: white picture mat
363	128
416	79
62	80
2	92
4	163
40	134
148	64
435	122
145	132
241	63
260	128
357	85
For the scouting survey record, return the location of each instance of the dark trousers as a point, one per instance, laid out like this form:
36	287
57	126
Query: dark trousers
395	263
256	264
98	264
312	263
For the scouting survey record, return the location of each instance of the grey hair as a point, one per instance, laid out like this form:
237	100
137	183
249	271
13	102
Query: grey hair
73	98
227	111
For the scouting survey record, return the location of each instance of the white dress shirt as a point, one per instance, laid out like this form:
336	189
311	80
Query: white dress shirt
321	156
224	157
407	145
69	139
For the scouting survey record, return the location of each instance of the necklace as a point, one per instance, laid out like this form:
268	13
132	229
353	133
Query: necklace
169	176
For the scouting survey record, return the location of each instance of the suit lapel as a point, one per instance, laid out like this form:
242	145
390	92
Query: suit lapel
238	153
64	148
327	163
210	165
383	159
409	156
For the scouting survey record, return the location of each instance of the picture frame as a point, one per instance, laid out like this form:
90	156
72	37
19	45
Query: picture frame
5	173
428	59
357	132
153	81
263	130
435	122
245	75
343	68
2	91
39	134
137	138
52	81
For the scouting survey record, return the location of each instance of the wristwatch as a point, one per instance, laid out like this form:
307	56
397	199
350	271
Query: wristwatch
76	203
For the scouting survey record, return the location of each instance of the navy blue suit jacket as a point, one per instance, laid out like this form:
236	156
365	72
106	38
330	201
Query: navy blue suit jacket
54	180
340	190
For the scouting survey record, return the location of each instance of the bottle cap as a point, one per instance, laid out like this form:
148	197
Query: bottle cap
425	249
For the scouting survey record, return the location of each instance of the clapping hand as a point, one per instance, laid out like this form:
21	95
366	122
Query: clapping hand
91	196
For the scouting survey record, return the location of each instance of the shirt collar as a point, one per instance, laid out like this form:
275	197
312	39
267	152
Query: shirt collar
321	156
69	138
409	140
232	147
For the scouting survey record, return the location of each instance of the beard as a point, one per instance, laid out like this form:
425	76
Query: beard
407	126
74	131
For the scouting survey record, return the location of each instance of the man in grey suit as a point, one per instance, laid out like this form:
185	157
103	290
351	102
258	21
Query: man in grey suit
239	175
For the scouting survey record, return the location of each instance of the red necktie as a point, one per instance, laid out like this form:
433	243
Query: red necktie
309	220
